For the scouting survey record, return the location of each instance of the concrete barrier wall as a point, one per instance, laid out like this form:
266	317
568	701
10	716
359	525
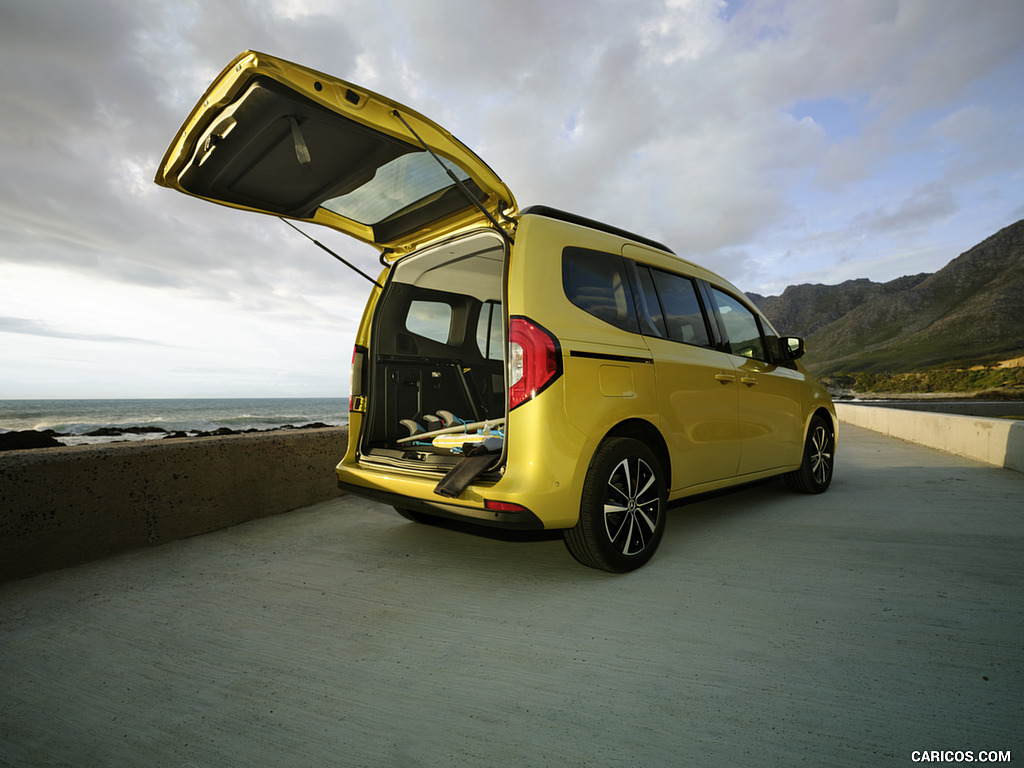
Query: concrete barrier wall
986	408
993	441
62	506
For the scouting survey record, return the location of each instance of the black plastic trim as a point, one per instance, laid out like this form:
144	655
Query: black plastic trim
614	358
523	520
715	324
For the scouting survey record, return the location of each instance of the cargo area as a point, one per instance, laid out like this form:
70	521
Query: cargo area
438	342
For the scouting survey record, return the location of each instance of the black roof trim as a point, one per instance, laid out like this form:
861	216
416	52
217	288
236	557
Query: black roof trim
572	218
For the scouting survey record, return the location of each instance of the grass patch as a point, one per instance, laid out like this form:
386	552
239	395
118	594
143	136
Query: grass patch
992	380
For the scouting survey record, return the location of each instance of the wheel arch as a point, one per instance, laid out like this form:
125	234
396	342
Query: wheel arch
817	463
647	433
827	415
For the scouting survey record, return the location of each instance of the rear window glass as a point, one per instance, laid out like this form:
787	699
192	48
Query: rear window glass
596	282
406	180
430	319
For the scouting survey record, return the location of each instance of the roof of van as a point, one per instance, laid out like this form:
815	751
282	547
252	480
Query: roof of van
572	218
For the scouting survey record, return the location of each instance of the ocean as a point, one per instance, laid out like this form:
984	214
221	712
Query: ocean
74	418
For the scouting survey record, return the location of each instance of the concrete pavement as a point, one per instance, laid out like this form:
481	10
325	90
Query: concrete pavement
998	441
770	629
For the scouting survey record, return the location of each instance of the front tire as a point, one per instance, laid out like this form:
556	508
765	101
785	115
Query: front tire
622	508
815	473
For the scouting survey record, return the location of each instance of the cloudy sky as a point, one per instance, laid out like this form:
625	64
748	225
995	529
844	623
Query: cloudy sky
777	142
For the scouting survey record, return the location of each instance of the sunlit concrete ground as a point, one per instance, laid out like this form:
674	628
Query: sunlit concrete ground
771	629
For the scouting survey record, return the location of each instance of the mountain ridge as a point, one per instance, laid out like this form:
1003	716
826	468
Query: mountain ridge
967	313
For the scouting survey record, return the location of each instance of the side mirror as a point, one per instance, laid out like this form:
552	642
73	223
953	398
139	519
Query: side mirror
791	347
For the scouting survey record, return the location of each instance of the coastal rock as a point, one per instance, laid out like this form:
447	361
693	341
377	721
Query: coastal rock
118	431
28	438
215	433
228	431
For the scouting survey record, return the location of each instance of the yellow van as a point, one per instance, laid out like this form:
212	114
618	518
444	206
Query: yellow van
526	369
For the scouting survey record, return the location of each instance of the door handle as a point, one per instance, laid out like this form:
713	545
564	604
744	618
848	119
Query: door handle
749	381
725	378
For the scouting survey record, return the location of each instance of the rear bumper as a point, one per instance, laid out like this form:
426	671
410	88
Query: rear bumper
520	520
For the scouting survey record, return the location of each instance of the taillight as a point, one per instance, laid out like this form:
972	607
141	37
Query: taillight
535	360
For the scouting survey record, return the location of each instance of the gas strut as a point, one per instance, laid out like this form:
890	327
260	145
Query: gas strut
317	242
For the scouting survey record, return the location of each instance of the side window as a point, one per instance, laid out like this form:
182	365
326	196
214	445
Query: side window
489	338
596	283
741	327
430	319
683	316
649	304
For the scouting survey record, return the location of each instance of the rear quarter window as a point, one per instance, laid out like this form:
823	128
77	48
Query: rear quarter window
430	319
596	282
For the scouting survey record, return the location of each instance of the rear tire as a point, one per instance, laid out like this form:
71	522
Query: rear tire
413	515
815	473
622	508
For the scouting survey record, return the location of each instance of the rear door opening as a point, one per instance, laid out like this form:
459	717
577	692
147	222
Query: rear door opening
436	357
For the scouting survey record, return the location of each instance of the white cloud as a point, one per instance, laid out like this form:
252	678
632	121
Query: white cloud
669	117
926	204
687	30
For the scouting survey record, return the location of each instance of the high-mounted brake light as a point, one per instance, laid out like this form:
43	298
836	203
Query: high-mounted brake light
535	360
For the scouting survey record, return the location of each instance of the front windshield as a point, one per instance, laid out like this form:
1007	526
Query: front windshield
397	185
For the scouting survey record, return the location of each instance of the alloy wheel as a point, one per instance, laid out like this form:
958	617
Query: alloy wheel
821	455
632	506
